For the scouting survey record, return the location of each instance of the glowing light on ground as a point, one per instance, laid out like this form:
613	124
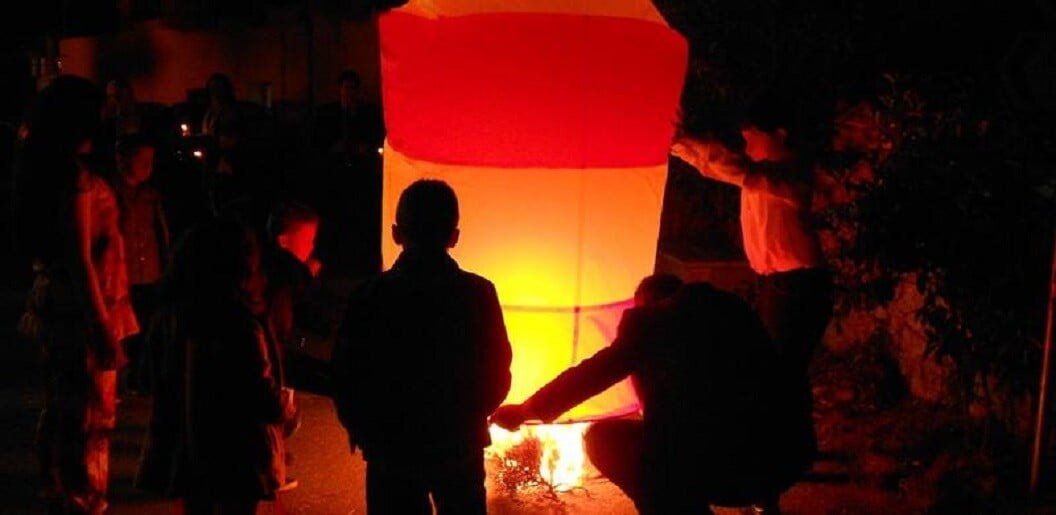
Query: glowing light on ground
555	451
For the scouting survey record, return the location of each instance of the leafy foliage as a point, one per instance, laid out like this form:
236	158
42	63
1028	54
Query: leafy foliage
961	199
931	175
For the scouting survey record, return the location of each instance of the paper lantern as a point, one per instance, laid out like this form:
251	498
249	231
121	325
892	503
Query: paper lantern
551	120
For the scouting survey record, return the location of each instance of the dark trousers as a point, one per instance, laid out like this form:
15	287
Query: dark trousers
796	307
145	302
457	488
73	435
616	448
208	506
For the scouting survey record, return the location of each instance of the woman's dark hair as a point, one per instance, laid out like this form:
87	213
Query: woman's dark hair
804	115
64	114
127	145
224	86
209	266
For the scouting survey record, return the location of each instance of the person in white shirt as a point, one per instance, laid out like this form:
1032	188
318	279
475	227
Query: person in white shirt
775	175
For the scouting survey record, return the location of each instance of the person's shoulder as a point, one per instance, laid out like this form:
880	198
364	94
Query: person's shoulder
87	181
476	282
367	288
285	272
705	292
280	261
328	108
706	298
371	108
150	193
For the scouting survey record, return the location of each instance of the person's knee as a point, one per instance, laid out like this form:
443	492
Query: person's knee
595	440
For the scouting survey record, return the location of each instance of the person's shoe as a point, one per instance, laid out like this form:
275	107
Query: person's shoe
290	484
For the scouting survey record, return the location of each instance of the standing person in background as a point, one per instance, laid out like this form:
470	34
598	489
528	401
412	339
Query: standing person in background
776	178
121	115
214	438
147	239
223	107
349	134
291	270
79	307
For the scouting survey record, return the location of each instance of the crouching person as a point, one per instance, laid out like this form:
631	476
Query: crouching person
714	425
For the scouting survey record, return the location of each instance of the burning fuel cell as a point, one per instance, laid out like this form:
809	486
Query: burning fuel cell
551	120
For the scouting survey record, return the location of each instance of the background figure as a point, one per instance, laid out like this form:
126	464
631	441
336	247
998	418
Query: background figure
121	117
223	107
120	113
215	437
421	360
776	177
704	369
145	229
227	177
348	133
298	315
292	228
291	270
67	218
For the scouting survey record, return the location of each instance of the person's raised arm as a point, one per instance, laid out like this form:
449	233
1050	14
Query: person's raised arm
714	161
711	159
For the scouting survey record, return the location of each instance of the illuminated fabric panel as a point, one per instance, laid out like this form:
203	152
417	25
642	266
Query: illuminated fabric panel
520	90
634	9
551	121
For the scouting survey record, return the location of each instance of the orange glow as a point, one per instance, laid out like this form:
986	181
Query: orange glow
551	120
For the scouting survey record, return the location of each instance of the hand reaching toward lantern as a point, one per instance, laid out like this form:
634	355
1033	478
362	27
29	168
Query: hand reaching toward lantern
511	416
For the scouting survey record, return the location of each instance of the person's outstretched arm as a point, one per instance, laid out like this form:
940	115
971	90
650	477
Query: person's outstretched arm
577	384
714	161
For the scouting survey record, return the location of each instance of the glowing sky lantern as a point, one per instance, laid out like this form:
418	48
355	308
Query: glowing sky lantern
551	119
